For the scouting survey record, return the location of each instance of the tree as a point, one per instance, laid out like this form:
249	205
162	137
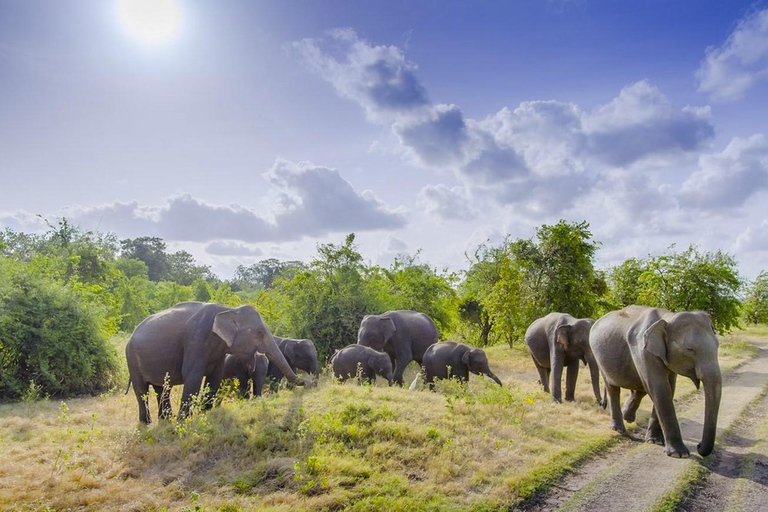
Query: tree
692	280
150	250
756	303
625	282
183	269
262	275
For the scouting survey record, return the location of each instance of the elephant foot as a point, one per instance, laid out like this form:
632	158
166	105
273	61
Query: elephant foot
680	452
570	399
618	427
654	439
630	416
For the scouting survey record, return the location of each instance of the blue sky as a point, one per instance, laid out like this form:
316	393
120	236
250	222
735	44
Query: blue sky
257	130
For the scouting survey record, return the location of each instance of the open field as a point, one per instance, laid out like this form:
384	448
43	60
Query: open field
327	448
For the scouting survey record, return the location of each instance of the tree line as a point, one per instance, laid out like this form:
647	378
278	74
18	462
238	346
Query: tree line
65	293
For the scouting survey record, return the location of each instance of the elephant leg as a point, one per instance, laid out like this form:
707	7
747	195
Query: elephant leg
191	388
571	375
142	395
614	397
556	364
400	366
662	394
164	410
543	376
654	434
630	407
429	378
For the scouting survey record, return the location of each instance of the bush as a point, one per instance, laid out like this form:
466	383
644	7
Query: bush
49	338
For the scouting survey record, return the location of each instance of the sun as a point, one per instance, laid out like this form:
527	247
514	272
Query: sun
150	21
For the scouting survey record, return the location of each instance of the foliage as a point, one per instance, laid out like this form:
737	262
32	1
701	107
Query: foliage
755	306
508	287
685	281
49	336
263	274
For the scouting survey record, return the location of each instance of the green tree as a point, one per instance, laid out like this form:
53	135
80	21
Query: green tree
183	269
692	280
150	250
756	303
263	274
624	282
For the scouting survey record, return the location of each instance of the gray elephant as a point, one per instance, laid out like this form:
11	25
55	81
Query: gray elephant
189	341
300	355
404	335
255	370
644	349
449	359
558	341
358	359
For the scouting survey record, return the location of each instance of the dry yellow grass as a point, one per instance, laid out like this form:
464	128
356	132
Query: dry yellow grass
327	448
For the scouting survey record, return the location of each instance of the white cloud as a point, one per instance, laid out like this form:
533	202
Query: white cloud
447	203
753	238
727	179
316	201
231	248
730	70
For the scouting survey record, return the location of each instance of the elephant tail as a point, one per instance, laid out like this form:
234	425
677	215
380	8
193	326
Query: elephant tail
415	382
604	403
127	389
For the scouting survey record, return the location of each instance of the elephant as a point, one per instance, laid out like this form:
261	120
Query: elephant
449	359
189	341
255	370
355	358
644	349
404	335
558	341
300	355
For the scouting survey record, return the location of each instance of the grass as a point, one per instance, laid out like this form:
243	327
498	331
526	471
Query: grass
332	447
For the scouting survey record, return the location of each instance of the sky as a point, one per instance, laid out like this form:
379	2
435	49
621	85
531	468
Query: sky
247	130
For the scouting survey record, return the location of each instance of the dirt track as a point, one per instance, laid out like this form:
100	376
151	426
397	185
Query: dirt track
636	476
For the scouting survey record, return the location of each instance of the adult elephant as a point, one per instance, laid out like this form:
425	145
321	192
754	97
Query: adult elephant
403	335
189	341
243	371
354	360
300	355
558	341
644	349
449	359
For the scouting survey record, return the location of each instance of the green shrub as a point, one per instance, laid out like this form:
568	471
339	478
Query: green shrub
50	336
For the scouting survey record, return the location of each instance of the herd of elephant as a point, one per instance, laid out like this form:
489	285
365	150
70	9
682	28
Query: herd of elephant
637	348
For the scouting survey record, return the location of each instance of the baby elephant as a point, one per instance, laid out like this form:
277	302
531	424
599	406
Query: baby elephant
449	359
256	370
369	363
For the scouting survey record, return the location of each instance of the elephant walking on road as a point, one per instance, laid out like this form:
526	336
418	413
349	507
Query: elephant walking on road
449	359
255	371
644	350
189	341
404	335
354	360
558	341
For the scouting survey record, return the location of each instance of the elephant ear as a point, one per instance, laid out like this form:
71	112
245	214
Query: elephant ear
225	327
387	328
655	340
465	358
563	336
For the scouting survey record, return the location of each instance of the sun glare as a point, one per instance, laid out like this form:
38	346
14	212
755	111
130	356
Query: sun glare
151	21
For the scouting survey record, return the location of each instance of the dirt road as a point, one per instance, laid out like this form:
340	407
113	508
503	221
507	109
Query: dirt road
635	476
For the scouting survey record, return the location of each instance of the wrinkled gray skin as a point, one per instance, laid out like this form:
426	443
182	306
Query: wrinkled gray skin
255	370
190	341
449	359
300	355
350	360
557	341
644	349
404	335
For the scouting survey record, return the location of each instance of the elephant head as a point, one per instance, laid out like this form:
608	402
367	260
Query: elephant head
573	338
687	345
245	333
477	363
375	331
381	364
301	354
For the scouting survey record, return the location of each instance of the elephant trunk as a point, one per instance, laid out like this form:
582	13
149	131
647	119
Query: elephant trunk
278	359
713	387
494	377
594	373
